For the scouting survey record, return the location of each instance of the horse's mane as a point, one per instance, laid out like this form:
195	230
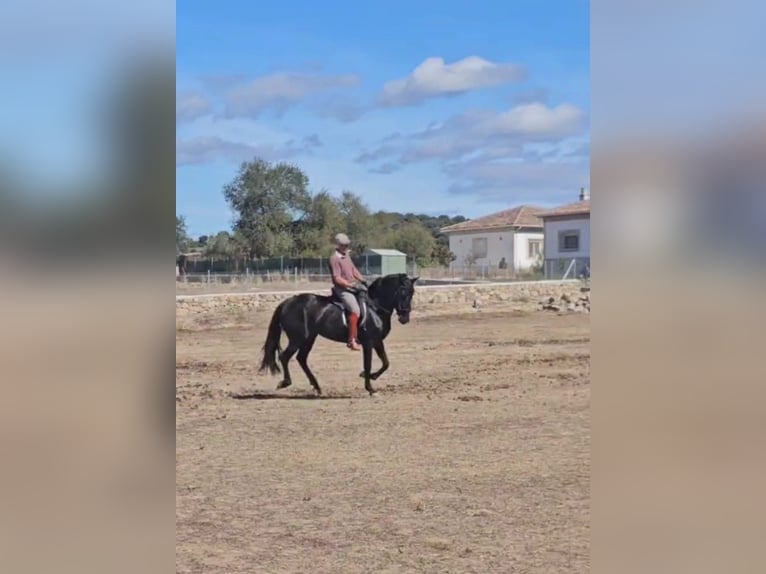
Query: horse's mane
375	289
378	282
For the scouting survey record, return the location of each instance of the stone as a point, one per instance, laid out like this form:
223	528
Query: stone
529	296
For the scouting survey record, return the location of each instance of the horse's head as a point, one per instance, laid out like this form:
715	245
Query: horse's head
405	290
394	293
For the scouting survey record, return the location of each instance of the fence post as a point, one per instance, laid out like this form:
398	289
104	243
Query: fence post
571	264
208	275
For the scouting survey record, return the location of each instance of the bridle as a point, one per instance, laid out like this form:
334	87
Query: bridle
401	294
398	307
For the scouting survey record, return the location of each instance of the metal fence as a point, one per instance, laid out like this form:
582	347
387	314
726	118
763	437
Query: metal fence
574	268
307	270
367	264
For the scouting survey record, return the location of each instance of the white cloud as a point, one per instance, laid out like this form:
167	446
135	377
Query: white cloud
386	168
537	120
345	111
530	152
486	134
207	149
518	182
434	78
190	106
279	91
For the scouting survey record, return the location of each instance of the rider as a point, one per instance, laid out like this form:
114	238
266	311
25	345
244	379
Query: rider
345	277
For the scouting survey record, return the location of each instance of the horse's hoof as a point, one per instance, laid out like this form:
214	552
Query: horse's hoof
284	384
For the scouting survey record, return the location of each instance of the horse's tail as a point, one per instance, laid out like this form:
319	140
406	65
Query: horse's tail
271	348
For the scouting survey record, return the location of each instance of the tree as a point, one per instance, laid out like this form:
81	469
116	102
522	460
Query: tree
267	200
442	254
414	240
220	246
277	215
314	232
360	225
182	238
202	240
226	246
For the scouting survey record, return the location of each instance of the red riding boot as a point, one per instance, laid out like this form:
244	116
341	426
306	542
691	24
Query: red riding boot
353	322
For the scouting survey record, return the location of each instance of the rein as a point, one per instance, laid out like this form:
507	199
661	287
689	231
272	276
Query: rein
377	305
381	307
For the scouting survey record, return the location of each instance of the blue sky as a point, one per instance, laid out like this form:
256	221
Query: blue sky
434	107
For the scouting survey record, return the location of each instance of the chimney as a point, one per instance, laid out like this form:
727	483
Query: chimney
584	194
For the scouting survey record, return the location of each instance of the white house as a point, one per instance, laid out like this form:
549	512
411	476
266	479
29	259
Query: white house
512	238
567	239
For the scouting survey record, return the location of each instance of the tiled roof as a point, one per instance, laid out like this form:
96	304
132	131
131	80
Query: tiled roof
521	216
576	208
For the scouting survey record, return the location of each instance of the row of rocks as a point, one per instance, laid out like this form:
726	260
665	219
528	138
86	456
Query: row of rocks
571	303
523	295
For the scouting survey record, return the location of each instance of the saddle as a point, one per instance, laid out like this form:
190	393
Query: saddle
361	297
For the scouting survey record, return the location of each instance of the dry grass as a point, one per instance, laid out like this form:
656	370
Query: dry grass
474	456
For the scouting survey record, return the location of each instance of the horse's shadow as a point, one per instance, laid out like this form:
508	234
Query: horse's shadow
268	395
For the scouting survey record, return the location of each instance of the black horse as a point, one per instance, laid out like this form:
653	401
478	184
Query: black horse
304	317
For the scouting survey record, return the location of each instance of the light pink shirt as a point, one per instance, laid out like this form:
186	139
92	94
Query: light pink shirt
342	266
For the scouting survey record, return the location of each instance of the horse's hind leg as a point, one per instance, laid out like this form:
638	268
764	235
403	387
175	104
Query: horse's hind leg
284	358
303	355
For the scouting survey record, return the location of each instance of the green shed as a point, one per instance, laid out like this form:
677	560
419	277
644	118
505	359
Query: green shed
382	262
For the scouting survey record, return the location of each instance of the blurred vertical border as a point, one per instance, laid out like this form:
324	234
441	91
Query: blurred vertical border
679	236
87	188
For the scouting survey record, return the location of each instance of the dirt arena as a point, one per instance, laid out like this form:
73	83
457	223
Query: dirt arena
473	457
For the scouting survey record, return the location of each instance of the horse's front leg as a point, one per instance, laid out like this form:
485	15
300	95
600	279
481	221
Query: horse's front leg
380	349
367	364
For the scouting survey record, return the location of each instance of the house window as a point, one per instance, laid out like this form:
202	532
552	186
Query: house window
569	240
535	247
479	247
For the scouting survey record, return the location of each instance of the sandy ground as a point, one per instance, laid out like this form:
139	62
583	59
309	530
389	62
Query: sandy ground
473	457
